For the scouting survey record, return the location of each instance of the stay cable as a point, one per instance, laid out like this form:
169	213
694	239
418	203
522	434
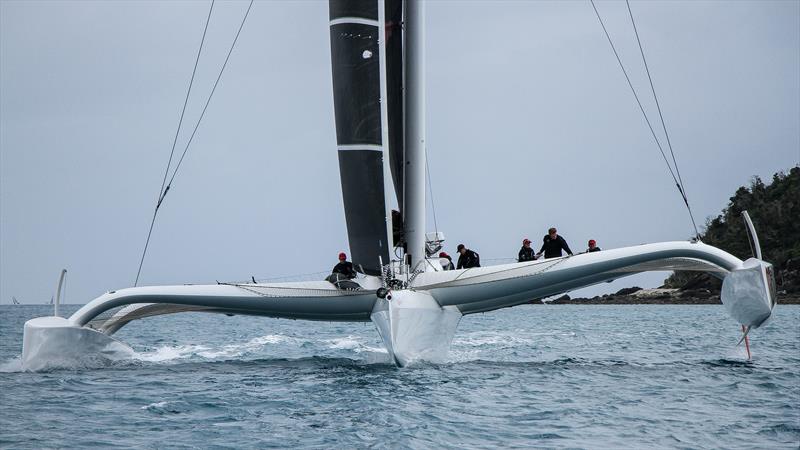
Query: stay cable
161	192
672	172
681	186
165	187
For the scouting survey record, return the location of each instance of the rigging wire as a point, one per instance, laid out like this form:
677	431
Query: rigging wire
205	107
185	102
430	189
174	142
681	186
165	189
672	172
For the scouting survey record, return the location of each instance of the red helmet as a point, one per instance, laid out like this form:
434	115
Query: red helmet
526	241
592	242
343	255
443	255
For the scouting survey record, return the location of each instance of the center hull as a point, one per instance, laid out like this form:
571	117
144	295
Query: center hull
414	327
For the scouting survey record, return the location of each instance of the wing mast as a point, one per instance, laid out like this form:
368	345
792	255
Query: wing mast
414	186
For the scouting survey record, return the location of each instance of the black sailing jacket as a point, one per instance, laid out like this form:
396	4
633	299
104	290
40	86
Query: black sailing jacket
552	247
525	254
345	268
469	259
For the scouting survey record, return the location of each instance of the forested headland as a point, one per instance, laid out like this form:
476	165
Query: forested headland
774	207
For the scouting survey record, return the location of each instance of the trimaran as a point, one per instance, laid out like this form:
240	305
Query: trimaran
377	55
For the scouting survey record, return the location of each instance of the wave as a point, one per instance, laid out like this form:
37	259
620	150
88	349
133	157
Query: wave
258	348
356	344
511	346
169	353
12	365
113	354
166	407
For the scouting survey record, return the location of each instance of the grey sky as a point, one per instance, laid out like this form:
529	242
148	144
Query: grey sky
530	125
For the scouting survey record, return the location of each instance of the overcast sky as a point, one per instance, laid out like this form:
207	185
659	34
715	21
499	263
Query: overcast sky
530	125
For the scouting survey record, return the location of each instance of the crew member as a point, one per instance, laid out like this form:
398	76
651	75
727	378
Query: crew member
468	258
592	246
344	267
446	261
526	252
553	244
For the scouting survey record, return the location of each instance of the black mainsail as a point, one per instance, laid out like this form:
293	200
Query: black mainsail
394	92
365	44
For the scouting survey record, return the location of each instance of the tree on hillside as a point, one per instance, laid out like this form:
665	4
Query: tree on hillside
775	210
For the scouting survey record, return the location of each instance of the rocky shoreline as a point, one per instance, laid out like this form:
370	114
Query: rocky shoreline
660	296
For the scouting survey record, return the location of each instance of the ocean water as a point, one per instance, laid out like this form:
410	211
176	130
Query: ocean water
638	376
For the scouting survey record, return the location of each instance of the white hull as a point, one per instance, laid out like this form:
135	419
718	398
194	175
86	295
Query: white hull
414	327
54	341
748	293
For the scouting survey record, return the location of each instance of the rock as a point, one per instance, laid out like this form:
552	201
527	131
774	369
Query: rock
655	293
628	291
561	300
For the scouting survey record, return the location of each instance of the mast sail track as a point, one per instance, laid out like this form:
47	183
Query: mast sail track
368	129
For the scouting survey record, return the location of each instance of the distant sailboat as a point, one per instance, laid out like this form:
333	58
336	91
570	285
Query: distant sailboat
14	300
377	56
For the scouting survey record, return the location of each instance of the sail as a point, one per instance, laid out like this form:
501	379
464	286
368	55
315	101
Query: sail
394	92
362	125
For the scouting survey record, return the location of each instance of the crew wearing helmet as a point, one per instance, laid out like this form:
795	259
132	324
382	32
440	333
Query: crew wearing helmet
526	252
468	258
344	267
553	244
592	246
446	261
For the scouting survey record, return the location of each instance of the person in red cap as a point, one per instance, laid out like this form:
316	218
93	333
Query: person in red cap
526	253
344	267
446	261
592	246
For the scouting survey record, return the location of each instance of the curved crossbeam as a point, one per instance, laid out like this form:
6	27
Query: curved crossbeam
489	288
470	290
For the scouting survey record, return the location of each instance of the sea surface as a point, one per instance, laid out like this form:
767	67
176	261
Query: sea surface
553	376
